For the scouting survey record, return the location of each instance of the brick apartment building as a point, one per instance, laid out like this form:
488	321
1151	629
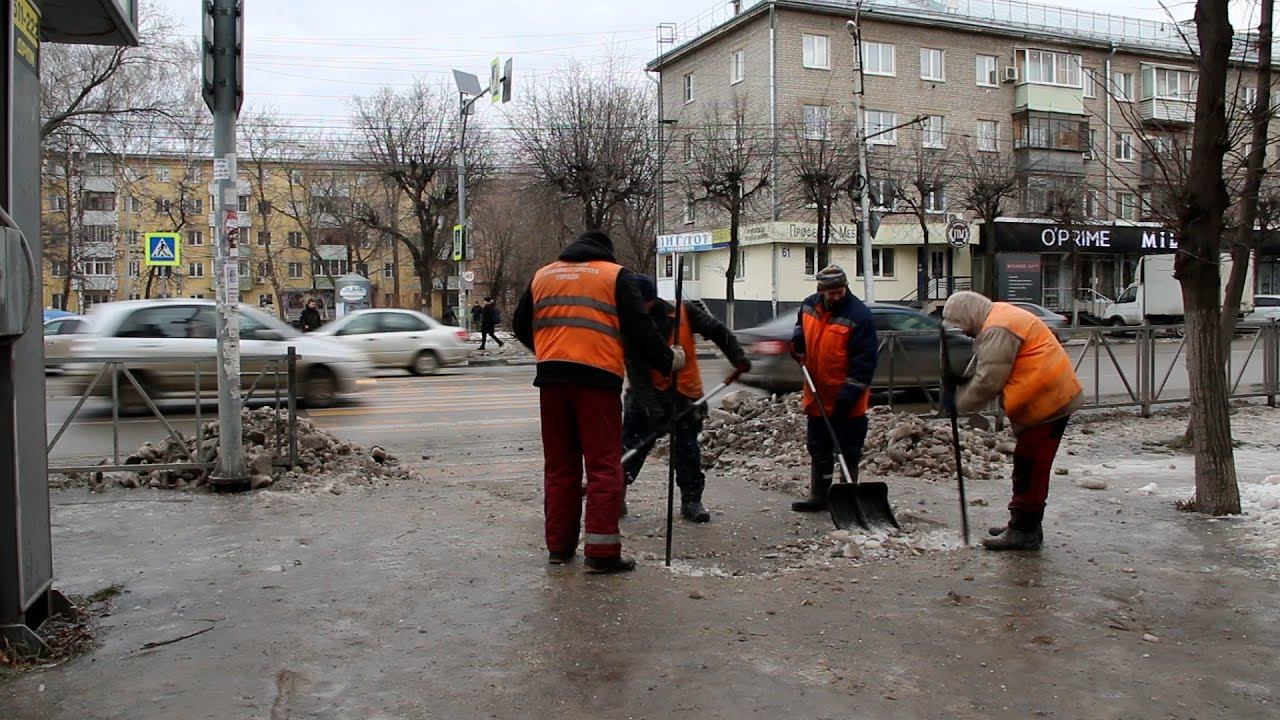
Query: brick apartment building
1075	101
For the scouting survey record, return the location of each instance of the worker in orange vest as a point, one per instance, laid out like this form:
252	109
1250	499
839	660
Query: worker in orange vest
574	316
649	400
1018	359
835	338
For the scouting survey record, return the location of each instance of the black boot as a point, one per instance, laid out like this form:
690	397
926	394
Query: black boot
692	510
609	565
819	483
560	558
1022	534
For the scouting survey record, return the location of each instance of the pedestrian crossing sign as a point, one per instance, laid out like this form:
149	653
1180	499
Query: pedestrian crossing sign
163	249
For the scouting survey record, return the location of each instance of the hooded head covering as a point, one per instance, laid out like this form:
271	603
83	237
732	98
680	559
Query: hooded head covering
648	290
832	277
590	245
968	311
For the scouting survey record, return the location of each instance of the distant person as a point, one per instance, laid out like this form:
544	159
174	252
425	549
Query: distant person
489	318
450	317
1018	359
477	314
310	319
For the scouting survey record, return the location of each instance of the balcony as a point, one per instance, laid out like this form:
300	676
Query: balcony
1049	98
1167	111
91	283
1048	161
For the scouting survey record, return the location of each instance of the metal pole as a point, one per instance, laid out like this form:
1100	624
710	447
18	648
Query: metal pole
864	199
230	470
463	317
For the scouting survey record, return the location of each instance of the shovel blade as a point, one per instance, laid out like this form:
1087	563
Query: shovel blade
864	505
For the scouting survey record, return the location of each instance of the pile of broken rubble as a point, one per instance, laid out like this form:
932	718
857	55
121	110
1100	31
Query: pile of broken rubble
764	437
324	462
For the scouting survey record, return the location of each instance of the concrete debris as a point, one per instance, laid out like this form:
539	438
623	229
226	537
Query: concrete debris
1091	483
764	438
325	463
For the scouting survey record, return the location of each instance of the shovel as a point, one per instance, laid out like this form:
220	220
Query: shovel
945	362
864	504
680	416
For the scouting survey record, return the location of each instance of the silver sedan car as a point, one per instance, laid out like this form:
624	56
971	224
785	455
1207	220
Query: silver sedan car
59	334
399	339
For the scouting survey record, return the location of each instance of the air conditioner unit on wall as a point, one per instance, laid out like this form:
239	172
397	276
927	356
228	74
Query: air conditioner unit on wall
1010	73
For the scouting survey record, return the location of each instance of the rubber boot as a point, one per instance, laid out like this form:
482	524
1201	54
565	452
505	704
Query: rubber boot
1022	534
691	509
609	565
819	483
560	558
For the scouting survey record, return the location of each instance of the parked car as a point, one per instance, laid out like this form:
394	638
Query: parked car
1266	308
913	362
59	333
1057	322
400	339
180	331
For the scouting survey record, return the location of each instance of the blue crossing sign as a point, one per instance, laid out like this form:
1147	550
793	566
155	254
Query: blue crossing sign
163	249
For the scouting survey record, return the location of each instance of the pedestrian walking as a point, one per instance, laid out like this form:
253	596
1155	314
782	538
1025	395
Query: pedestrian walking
1018	359
574	317
310	319
835	338
489	318
449	317
477	313
649	397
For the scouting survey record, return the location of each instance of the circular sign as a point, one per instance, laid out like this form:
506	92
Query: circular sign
353	293
958	233
469	276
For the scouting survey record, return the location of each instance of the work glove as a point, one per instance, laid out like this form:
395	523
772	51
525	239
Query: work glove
741	367
846	401
677	358
953	380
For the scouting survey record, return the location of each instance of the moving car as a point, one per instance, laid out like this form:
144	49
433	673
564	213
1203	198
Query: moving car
912	362
1266	308
400	339
176	332
1057	322
59	333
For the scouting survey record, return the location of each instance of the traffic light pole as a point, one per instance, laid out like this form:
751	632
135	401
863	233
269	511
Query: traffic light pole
464	105
231	472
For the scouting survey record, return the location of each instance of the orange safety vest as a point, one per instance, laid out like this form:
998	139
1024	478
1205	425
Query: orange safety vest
688	379
826	354
1042	381
575	315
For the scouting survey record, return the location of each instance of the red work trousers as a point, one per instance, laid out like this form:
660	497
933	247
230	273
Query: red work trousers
582	426
1032	464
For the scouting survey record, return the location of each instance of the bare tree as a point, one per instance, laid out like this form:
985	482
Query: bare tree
823	165
729	167
988	181
412	139
588	136
921	175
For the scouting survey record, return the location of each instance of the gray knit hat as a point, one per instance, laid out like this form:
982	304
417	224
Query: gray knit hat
832	277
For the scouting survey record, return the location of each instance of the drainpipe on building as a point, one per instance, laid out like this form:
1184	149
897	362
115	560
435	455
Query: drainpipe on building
773	141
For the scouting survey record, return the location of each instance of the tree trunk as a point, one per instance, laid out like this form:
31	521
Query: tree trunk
731	273
1196	267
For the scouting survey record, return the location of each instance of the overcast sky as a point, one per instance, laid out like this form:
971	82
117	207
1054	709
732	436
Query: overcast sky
307	64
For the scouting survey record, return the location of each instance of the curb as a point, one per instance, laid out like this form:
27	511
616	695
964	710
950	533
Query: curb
499	362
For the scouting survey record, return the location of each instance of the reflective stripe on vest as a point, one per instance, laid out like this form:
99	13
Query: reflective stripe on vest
826	354
1042	381
575	315
689	378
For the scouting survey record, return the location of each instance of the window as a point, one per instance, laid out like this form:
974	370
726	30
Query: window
162	174
933	65
265	269
933	131
295	239
985	71
688	148
1091	204
988	135
246	236
810	261
99	168
816	122
740	270
816	55
170	321
388	270
195	270
58	268
195	237
1126	206
135	205
99	233
243	267
1122	85
135	268
99	267
99	200
295	177
1090	83
884	194
163	206
881	263
264	300
58	301
1049	131
1124	146
195	205
737	67
1093	143
1168	84
878	59
1045	67
195	173
689	261
688	88
57	202
690	210
935	201
878	124
264	238
400	322
242	203
295	270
